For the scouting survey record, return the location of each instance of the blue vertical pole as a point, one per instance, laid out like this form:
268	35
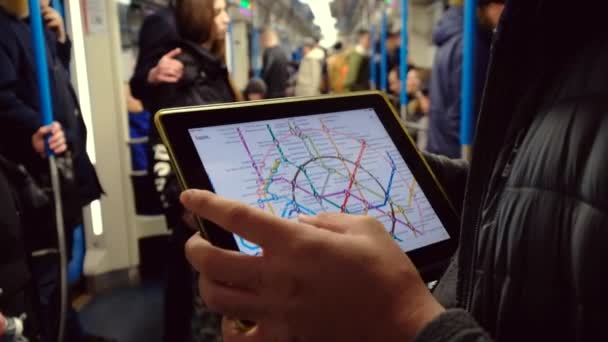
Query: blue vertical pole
44	89
255	52
231	42
403	58
373	83
468	78
255	43
384	58
42	67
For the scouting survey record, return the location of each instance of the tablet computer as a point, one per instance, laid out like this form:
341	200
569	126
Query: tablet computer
347	153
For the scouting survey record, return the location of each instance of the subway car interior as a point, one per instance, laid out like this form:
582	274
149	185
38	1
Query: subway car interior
509	120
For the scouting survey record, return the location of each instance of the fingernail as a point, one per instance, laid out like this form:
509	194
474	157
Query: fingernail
303	217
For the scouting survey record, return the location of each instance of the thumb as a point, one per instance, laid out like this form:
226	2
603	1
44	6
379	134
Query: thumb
44	130
173	53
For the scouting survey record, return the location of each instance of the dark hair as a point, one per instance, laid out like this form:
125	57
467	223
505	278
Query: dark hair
195	21
483	3
256	86
393	34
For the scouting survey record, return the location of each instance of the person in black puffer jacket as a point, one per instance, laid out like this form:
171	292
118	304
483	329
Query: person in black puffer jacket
531	264
157	42
205	80
535	222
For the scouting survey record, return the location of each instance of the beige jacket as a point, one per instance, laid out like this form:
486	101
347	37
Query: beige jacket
310	75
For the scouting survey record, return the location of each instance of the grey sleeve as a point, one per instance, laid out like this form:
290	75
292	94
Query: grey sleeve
454	325
445	291
452	175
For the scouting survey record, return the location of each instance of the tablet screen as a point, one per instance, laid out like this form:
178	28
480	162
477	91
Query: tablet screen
334	162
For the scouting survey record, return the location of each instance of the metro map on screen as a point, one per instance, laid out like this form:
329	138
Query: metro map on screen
336	162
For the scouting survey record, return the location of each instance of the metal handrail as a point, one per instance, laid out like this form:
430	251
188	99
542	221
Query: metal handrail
138	141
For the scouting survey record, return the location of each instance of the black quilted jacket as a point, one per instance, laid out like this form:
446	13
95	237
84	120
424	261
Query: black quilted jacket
532	261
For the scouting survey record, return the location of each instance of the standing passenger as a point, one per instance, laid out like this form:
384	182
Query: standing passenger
255	90
358	63
201	26
445	86
156	63
393	48
310	74
22	143
275	71
337	68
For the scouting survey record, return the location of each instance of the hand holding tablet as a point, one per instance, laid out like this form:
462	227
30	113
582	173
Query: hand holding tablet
346	154
314	272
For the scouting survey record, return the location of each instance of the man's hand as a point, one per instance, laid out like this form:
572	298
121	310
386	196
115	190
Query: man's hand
189	220
332	277
425	102
54	22
57	142
168	69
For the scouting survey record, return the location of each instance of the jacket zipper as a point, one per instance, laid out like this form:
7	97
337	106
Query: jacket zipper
468	280
466	293
506	172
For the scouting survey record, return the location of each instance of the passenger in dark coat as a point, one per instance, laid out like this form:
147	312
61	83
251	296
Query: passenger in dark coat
205	81
156	66
169	74
446	79
158	39
20	118
20	108
275	71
